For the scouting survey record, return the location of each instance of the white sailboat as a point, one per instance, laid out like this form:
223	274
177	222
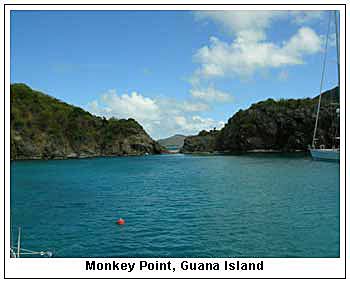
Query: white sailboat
321	152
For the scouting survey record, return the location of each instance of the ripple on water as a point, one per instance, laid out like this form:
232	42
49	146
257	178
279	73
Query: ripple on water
178	206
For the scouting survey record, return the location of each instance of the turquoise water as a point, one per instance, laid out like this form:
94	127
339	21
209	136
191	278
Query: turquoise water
257	205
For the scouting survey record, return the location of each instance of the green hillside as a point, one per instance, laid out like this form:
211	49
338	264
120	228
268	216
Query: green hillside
42	127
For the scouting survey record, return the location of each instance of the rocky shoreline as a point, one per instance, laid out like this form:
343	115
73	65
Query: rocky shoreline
267	151
79	157
271	126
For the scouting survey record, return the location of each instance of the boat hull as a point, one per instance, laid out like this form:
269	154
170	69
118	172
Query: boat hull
325	154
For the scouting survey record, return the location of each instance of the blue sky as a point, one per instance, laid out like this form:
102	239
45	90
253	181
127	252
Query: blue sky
176	72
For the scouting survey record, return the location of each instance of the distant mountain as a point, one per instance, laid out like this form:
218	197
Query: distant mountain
270	125
175	141
42	127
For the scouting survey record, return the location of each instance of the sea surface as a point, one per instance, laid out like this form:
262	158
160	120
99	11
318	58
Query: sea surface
254	205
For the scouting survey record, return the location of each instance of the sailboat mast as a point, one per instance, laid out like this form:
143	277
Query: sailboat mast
337	43
321	84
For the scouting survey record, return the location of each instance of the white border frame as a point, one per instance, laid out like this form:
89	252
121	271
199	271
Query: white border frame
273	267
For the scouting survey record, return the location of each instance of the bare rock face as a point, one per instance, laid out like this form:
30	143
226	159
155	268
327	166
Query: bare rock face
284	125
43	127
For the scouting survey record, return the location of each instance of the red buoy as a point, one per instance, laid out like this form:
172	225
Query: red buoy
121	221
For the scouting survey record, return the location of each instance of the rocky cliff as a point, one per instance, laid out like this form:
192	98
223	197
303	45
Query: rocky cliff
43	127
203	142
284	125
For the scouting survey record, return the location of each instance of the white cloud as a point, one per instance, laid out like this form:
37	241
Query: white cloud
236	21
194	106
303	17
257	21
210	94
140	107
160	117
305	41
247	54
195	124
250	50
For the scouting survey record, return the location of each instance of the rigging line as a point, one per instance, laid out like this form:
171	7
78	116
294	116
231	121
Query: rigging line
34	253
337	43
26	250
322	79
19	241
338	66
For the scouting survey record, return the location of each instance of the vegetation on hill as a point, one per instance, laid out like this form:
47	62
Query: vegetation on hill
175	141
283	125
42	127
205	141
